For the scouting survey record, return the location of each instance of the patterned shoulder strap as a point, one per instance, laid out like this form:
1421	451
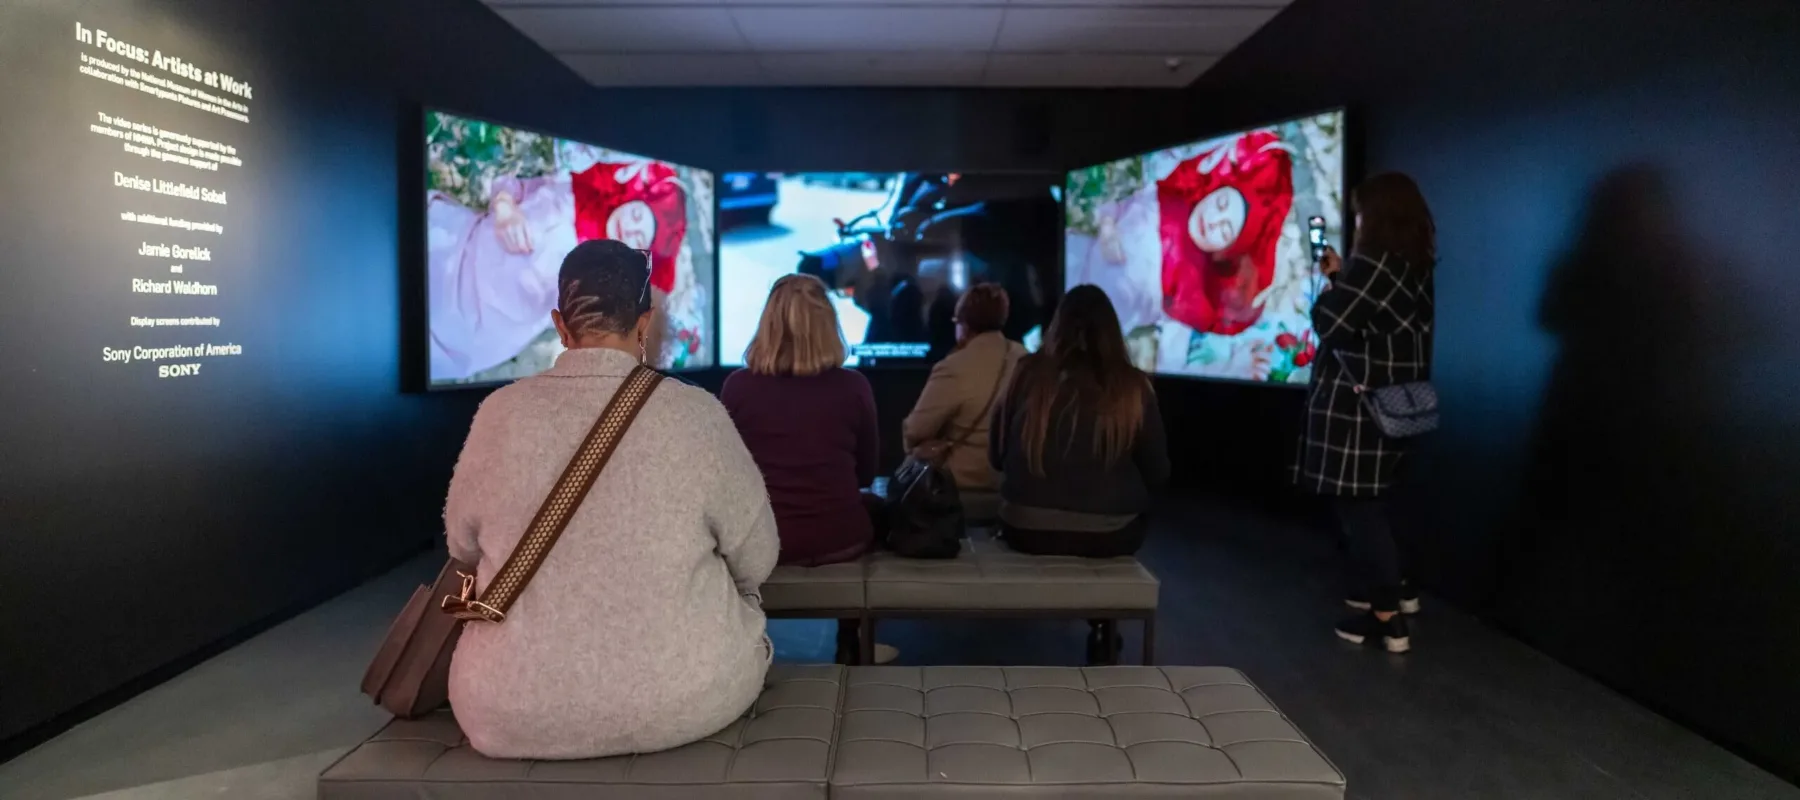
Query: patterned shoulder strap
554	515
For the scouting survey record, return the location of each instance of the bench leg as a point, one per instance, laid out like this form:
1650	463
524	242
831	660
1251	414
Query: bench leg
865	641
849	632
1149	640
1104	643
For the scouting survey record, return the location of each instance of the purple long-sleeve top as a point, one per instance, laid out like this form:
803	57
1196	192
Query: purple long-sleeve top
816	441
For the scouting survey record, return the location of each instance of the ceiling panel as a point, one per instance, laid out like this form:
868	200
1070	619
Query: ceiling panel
626	30
665	69
741	3
1012	69
1275	4
851	30
864	69
1088	43
859	3
1134	30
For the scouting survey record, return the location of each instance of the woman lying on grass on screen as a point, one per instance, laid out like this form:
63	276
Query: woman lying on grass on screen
1079	442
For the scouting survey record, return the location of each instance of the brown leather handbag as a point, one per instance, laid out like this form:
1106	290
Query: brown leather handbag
410	675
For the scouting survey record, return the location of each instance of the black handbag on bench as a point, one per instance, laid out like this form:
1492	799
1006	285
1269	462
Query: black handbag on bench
924	510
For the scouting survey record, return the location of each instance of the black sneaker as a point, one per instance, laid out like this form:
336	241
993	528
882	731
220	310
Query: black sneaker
1409	600
1366	628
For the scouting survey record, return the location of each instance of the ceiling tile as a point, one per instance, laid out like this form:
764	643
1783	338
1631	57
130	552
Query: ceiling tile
666	69
1006	69
848	28
621	30
1128	30
1156	3
651	3
873	69
856	3
742	3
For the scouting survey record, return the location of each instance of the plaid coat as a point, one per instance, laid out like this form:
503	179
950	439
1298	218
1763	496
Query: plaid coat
1374	327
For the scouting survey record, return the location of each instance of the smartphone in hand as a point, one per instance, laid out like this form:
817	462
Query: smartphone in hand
1315	236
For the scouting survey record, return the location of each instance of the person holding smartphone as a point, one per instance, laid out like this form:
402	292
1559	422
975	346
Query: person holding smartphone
1374	326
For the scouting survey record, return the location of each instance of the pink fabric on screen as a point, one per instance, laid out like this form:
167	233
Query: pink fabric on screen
1125	261
487	304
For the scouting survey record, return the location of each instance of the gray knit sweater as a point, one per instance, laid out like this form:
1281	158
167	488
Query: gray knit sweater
642	631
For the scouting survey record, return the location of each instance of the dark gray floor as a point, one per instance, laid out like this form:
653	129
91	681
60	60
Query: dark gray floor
1469	714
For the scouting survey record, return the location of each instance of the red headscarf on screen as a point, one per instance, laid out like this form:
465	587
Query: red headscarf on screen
1222	212
639	203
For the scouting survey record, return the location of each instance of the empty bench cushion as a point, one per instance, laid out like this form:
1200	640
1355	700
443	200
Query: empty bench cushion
779	750
833	587
1070	733
987	576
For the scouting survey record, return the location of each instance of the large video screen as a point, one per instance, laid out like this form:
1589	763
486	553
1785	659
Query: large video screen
897	250
503	206
1203	248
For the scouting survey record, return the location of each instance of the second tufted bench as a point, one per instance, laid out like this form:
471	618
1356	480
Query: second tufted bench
989	580
904	733
1071	734
985	580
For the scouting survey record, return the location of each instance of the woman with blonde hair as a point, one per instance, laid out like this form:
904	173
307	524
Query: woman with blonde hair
810	426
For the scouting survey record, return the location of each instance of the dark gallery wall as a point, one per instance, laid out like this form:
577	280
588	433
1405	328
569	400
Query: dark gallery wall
149	519
1615	196
146	518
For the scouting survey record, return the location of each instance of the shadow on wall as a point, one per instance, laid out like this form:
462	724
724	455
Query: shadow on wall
1610	476
1635	551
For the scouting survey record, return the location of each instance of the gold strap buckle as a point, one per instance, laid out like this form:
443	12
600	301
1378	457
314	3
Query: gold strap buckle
477	610
466	607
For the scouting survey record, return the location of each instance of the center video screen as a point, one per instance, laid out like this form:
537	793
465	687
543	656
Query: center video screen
896	249
503	206
1203	248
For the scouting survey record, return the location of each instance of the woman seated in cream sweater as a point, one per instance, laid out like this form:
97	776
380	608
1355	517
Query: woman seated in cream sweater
954	406
643	630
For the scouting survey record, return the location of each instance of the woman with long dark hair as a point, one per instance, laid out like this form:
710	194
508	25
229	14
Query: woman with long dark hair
1374	323
1078	439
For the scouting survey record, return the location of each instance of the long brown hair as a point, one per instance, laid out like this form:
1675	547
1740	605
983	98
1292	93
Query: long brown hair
798	333
1393	218
1083	373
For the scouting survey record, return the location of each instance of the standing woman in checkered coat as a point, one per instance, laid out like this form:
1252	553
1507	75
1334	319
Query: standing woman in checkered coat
1374	323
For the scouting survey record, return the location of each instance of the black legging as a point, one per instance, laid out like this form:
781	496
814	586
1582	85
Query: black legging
1374	557
1086	544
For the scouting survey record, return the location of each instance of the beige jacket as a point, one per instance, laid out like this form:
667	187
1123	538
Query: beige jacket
641	631
950	408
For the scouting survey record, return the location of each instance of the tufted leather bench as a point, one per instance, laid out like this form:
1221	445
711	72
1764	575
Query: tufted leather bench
985	580
1072	734
905	733
834	590
780	750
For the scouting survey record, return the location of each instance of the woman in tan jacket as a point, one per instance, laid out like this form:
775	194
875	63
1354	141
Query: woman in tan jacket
961	391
